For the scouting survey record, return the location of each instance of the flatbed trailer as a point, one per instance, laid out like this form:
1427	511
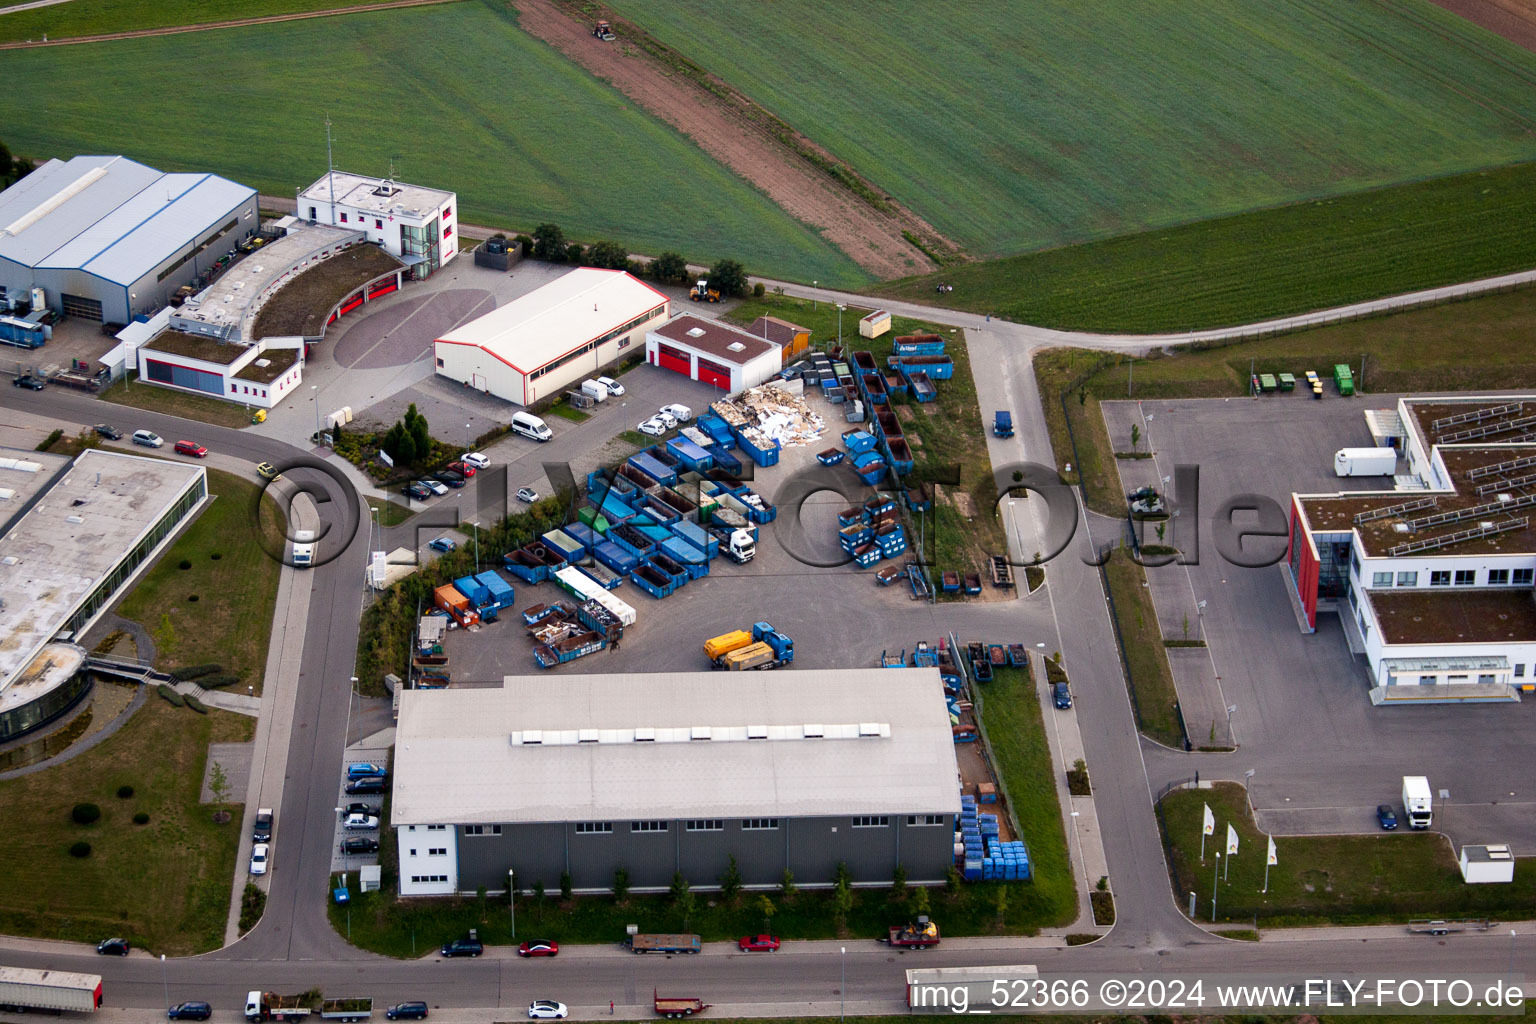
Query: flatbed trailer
1002	572
922	935
677	1006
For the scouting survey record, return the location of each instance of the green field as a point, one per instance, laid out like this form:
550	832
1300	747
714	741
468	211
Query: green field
1017	125
521	134
1255	266
96	17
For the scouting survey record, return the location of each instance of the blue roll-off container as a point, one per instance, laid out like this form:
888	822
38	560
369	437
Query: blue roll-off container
763	456
615	557
718	430
473	590
582	534
690	454
689	557
653	468
697	537
502	594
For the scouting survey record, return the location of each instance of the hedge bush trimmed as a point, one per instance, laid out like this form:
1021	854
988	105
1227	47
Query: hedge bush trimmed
192	672
80	850
171	696
124	792
141	818
215	682
85	814
195	704
184	564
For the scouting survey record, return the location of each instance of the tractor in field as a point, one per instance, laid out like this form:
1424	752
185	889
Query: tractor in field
602	30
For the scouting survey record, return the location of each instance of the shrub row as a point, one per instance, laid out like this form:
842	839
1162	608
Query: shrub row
195	704
170	696
192	672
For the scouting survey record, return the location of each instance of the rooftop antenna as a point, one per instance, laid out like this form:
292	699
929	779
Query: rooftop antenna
330	167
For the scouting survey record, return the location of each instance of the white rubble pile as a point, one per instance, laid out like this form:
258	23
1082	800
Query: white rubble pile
766	414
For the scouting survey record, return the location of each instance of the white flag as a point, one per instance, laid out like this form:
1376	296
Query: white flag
1210	821
1273	860
1231	840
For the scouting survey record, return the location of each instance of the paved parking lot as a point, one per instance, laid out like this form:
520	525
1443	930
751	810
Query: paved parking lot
1322	755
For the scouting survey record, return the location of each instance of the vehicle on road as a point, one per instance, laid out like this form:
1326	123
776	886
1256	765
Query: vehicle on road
365	770
1002	423
1061	696
148	438
359	787
450	478
361	823
26	380
109	432
443	544
414	1010
462	468
434	486
263	1006
23	989
474	459
614	387
189	1011
527	495
547	1009
191	448
267	471
680	413
539	947
653	427
261	830
304	548
260	854
354	845
113	947
758	943
657	943
921	935
462	947
674	1007
1417	802
1386	817
530	426
416	489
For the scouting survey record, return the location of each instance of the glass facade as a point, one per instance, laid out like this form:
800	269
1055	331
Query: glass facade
184	377
45	708
424	242
1333	568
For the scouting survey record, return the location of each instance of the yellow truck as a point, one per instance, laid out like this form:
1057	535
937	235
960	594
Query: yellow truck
725	643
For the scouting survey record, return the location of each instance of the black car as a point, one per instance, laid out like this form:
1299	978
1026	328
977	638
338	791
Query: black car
190	1011
358	787
463	947
1386	817
1061	696
416	1010
261	829
115	947
449	477
26	380
359	844
108	432
360	808
416	490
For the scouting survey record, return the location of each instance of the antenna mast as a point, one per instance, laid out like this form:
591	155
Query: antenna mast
330	168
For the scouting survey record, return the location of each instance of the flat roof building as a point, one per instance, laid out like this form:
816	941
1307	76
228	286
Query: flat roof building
415	223
713	352
108	238
67	558
674	772
541	344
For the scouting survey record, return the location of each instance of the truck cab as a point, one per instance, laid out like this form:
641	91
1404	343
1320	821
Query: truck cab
741	548
303	548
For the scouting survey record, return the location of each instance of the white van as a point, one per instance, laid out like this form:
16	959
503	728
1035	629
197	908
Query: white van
529	425
598	392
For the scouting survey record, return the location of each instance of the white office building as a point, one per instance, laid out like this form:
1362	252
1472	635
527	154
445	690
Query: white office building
417	224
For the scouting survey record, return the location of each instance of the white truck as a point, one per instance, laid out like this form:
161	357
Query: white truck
23	989
303	548
1417	802
1365	461
740	547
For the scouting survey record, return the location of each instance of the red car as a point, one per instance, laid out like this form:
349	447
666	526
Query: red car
758	943
191	448
464	469
538	947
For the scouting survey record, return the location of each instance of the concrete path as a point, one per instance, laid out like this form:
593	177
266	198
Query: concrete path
31	6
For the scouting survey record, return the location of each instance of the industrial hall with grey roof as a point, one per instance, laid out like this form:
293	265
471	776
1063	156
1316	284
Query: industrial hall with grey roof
107	238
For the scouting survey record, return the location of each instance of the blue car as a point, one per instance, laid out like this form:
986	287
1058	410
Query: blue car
365	770
1386	817
189	1011
443	544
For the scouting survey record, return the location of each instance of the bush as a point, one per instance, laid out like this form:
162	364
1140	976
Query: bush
49	443
184	564
85	814
215	682
170	696
191	672
81	850
216	555
758	290
124	792
1081	938
195	704
141	818
1103	907
192	598
252	904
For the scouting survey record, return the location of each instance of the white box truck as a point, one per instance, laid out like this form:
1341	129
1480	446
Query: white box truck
303	549
592	389
23	989
1365	461
1417	801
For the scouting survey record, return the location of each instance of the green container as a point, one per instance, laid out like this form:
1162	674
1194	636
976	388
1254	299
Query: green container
593	518
1287	382
1343	379
1266	382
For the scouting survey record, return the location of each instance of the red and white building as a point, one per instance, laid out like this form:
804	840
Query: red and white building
712	352
417	224
554	337
1434	581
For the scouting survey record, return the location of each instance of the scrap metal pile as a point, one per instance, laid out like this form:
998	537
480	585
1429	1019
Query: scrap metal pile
767	414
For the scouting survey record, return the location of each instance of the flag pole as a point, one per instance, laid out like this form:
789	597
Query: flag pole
1213	886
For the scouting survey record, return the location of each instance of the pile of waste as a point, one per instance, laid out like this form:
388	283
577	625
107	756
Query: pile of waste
767	414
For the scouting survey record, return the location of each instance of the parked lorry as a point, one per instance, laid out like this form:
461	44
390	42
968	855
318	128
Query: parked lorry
914	936
739	651
717	647
1365	461
23	989
644	943
264	1006
347	1009
740	547
303	548
1002	423
1417	801
677	1006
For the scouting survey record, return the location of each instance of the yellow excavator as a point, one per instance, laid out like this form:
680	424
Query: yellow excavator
702	292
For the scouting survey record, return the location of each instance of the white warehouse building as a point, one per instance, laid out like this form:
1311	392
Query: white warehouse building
539	345
417	224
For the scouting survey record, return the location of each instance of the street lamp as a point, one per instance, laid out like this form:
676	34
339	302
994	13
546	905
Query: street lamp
512	900
840	307
469	438
842	989
813	297
163	983
315	397
476	524
373	519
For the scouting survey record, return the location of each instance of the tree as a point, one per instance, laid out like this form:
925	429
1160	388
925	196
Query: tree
842	876
538	894
952	880
565	885
574	253
920	905
218	783
766	908
730	882
12	168
729	277
680	887
670	268
842	902
787	885
682	895
608	255
620	885
416	423
1135	436
548	243
1001	903
899	883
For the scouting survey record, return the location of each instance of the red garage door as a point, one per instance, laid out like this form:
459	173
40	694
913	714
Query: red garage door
672	359
715	374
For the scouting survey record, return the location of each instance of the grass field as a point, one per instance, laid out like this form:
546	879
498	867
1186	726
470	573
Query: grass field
523	122
1019	125
1270	263
235	590
178	403
163	885
1337	879
98	17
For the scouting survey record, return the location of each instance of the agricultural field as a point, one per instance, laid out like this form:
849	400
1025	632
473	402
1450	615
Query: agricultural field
98	17
1017	126
508	123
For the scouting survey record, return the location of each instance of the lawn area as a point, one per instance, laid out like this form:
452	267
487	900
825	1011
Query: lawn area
163	885
1256	266
1146	661
98	17
1327	879
1144	117
1010	712
947	437
232	577
174	403
523	120
391	513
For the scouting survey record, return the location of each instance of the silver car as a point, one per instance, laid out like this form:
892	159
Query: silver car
361	823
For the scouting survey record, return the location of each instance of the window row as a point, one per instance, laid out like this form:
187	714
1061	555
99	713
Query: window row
1456	577
429	878
482	830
